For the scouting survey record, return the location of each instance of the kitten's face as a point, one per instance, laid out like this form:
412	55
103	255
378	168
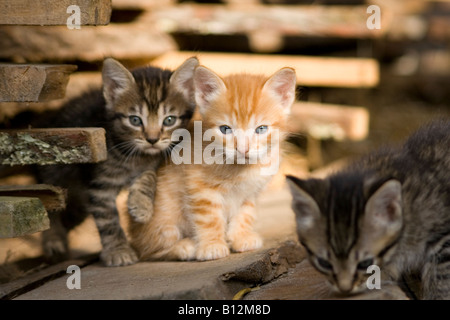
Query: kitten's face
244	113
148	105
345	231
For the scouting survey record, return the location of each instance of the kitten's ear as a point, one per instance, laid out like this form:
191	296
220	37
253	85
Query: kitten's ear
383	210
183	79
306	210
208	87
116	80
281	87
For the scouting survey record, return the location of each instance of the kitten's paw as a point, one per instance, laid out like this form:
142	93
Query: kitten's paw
248	242
212	251
117	257
184	249
140	207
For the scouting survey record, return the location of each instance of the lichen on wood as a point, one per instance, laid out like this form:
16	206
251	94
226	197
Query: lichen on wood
47	146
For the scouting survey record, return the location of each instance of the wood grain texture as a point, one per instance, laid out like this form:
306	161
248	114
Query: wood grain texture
53	12
33	82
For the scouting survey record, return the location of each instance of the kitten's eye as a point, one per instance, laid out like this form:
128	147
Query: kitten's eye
324	264
225	129
135	121
363	265
169	121
261	129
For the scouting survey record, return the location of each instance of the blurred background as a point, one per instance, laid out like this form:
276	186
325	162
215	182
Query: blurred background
359	86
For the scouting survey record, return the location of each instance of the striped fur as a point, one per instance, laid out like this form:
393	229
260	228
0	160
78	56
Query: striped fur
202	211
390	208
131	108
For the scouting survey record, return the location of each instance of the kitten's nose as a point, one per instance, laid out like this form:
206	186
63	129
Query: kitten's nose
153	140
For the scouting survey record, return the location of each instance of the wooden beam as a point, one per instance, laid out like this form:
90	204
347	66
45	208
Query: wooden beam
328	121
20	216
53	198
52	146
54	12
247	18
92	44
33	83
311	71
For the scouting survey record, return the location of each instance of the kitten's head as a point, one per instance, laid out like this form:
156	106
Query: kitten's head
146	105
347	223
245	113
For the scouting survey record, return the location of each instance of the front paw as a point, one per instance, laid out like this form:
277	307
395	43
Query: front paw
140	207
247	242
212	251
120	256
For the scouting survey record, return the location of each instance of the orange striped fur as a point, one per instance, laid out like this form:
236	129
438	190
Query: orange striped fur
202	211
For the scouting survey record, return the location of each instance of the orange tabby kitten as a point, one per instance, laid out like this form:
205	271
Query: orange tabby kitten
206	207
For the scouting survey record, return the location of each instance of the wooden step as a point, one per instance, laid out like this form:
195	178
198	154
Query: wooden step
21	216
33	82
52	146
53	198
311	71
53	12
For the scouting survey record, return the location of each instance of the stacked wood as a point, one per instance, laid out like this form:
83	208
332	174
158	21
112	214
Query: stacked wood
53	198
23	209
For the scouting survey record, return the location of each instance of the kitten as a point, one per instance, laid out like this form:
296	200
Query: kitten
390	209
139	110
203	209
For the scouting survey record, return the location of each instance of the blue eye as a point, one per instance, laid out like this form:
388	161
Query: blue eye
135	121
225	129
261	129
169	121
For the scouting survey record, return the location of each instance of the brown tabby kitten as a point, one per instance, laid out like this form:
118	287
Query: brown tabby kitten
390	209
139	111
202	210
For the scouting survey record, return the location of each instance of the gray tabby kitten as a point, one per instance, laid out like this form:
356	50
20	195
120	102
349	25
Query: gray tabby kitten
390	209
139	111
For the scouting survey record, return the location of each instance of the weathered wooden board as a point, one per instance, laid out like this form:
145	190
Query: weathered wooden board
33	82
52	146
54	12
92	44
311	71
247	18
21	216
53	198
329	121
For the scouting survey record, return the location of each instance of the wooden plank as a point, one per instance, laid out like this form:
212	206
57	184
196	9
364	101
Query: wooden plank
328	121
20	216
311	71
33	83
53	12
92	44
246	18
52	146
19	286
53	198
